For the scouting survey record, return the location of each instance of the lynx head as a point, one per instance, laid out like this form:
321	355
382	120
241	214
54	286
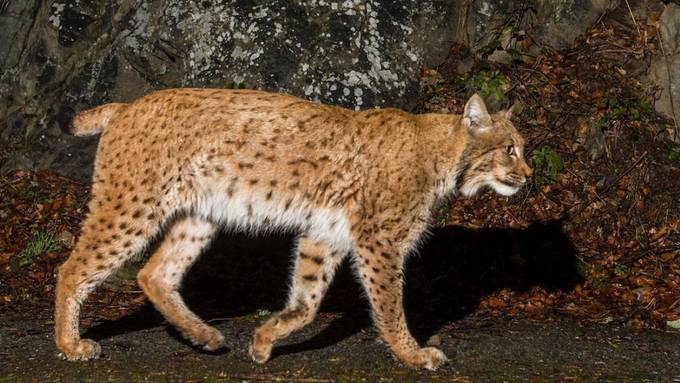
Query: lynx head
494	155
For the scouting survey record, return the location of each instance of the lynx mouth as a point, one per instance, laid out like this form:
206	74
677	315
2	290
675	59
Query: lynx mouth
512	181
512	184
505	188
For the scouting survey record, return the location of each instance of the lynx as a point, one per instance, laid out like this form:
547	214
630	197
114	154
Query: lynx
180	164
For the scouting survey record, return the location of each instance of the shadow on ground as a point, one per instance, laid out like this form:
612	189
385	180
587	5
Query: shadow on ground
445	281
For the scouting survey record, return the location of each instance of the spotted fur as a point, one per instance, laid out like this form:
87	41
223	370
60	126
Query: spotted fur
181	163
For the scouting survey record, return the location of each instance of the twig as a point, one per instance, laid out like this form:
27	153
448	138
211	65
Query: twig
676	134
649	252
583	182
633	17
604	191
622	50
270	378
674	304
531	70
625	173
581	259
217	320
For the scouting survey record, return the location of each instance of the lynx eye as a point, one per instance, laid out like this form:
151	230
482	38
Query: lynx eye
510	150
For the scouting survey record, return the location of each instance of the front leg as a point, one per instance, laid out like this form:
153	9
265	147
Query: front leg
381	268
315	265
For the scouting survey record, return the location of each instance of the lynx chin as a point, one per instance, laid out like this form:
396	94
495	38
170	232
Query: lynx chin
177	165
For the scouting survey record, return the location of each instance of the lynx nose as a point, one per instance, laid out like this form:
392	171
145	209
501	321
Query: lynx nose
527	170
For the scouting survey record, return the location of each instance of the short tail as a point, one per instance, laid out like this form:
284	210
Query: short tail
95	120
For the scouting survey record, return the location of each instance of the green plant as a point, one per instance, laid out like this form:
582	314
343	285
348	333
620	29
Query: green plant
28	195
522	115
232	84
644	110
616	111
33	195
547	163
42	242
674	155
489	83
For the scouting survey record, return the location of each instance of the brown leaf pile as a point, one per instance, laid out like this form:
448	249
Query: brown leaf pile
620	207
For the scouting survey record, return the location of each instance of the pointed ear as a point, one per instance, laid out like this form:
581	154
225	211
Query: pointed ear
475	115
515	108
508	113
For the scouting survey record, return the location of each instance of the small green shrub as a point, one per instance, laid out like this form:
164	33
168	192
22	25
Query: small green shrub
41	243
616	111
547	163
674	155
489	83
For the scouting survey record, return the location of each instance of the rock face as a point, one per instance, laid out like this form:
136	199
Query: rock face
65	56
665	69
58	57
484	24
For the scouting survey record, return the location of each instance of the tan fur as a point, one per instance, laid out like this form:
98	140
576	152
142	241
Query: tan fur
352	183
95	120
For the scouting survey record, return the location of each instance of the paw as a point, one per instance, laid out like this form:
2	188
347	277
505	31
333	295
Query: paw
260	350
209	339
85	349
429	358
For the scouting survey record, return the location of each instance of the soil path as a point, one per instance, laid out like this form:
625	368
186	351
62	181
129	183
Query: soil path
336	347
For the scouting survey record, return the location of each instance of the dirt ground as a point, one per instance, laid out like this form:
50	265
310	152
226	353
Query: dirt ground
235	290
337	349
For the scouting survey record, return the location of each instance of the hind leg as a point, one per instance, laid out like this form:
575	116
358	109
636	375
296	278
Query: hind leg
161	278
315	266
109	237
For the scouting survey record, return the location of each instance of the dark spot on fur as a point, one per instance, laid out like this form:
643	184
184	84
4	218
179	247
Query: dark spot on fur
309	277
